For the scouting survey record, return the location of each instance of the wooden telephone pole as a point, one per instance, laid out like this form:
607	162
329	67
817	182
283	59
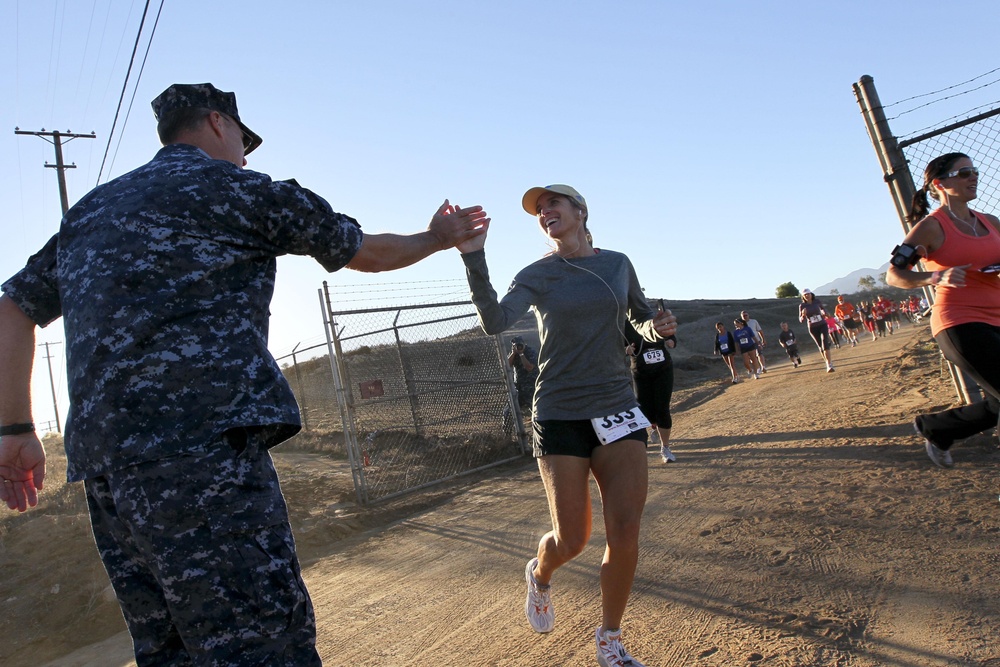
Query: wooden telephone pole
59	166
57	138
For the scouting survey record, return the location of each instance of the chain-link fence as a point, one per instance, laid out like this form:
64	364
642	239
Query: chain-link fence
415	394
978	137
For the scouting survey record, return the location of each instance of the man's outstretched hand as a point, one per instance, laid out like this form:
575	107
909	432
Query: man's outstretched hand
453	225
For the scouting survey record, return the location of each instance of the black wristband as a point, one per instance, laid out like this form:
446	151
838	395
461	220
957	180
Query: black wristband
17	429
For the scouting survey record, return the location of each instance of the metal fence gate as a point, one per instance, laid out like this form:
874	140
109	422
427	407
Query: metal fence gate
977	136
423	393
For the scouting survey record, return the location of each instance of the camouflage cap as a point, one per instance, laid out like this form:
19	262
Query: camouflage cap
204	96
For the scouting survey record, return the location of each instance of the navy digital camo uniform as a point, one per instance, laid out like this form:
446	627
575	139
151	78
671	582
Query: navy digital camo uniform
163	278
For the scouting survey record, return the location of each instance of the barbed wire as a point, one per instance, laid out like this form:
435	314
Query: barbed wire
428	297
398	287
903	113
917	97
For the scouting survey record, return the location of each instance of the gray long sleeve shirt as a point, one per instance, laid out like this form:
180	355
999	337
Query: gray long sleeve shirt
580	307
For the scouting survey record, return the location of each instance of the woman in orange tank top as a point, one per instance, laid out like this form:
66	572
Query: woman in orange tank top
959	247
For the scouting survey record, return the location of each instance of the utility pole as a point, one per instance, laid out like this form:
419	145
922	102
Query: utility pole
60	166
52	384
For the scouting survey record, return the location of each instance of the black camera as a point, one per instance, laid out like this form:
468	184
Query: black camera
904	256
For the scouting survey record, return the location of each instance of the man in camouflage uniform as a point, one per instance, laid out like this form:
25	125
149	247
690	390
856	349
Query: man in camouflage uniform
163	278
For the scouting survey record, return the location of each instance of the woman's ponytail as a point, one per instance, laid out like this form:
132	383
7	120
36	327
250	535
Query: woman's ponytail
919	206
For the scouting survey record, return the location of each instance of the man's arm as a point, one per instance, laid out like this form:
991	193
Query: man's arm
760	335
449	227
526	362
22	459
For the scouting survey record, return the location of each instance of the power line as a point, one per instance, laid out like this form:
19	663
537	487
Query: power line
121	97
135	88
83	58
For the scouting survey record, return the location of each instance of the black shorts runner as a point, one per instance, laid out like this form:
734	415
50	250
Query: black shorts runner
574	437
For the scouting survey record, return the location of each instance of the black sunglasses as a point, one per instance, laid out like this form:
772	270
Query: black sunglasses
247	139
964	172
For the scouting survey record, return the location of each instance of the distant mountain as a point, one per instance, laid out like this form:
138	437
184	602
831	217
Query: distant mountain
849	283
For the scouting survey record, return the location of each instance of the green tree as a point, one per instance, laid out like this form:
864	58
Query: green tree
881	277
866	283
835	291
786	290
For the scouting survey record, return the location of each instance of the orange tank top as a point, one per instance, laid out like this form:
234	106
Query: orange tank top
979	300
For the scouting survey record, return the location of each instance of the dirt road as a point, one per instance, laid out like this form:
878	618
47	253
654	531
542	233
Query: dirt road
801	525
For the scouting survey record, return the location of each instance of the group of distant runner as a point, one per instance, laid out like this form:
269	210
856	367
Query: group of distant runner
878	317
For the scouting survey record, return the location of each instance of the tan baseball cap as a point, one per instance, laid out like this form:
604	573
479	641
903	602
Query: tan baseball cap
529	202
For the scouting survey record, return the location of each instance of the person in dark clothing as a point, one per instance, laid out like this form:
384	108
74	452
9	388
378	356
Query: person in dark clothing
787	340
653	375
725	345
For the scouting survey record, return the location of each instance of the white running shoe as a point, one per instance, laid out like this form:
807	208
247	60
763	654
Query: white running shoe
829	368
940	457
611	653
666	454
538	606
946	458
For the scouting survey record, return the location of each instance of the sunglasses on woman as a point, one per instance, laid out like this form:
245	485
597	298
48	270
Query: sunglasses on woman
964	172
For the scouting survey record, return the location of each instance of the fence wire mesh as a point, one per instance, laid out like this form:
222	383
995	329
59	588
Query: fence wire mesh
417	394
980	140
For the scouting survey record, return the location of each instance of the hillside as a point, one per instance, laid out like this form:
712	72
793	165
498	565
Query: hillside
849	283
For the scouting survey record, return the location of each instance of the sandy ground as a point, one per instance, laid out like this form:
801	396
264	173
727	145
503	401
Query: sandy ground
801	525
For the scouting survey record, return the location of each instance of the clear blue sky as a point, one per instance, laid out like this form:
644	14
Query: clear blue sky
718	144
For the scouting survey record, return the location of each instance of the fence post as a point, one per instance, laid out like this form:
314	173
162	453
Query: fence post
346	411
411	386
302	390
896	173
